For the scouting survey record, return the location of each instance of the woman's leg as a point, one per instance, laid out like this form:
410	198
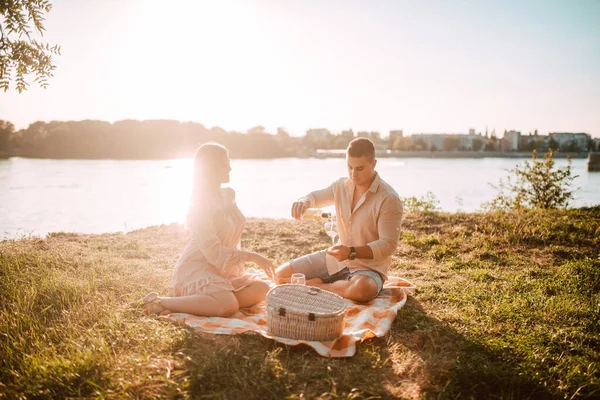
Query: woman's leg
219	304
252	294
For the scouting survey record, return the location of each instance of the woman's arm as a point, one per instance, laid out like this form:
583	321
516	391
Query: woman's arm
262	262
222	256
205	235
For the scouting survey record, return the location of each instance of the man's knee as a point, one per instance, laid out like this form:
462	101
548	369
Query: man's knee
283	272
362	288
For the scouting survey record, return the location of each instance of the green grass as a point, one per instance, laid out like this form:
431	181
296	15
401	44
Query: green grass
507	307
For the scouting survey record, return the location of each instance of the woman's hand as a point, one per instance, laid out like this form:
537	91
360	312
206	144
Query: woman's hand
269	268
263	263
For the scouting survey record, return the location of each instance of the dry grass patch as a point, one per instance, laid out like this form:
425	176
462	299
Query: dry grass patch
507	307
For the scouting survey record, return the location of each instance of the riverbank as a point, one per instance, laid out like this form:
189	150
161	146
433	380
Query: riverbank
507	307
448	154
336	153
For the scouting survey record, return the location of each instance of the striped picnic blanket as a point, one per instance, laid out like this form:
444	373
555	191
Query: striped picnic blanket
363	320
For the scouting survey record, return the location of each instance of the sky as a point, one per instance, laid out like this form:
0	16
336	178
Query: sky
420	66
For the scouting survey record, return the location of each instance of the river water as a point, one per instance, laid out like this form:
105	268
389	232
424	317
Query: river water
38	196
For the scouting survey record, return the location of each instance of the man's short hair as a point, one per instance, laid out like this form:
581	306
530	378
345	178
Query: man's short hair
360	147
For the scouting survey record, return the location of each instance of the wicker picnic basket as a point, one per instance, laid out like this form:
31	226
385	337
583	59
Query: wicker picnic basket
305	313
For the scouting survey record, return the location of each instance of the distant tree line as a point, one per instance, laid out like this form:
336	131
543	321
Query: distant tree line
132	139
162	139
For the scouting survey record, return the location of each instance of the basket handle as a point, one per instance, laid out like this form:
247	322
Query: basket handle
314	290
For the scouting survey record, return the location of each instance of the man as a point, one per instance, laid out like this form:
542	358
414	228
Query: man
369	213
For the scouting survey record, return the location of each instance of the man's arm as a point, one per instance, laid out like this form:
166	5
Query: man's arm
388	226
318	198
342	252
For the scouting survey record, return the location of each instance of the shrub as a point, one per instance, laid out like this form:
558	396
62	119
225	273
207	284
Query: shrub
427	204
536	184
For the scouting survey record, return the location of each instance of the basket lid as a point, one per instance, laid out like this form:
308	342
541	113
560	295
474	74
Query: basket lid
309	299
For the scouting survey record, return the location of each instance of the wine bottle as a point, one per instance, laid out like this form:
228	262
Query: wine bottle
315	214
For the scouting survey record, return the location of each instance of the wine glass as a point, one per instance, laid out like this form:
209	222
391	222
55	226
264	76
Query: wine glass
298	279
331	229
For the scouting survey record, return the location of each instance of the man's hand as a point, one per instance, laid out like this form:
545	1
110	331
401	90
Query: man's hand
339	252
298	208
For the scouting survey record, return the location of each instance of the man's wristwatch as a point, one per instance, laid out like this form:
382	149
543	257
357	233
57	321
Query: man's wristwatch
352	255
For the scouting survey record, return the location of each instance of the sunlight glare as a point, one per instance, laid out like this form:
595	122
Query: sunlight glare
175	188
182	62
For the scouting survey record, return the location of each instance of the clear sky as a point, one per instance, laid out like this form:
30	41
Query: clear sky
421	66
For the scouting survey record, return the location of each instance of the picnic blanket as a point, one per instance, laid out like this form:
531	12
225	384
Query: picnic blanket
363	320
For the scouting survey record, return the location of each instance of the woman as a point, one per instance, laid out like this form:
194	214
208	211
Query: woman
209	277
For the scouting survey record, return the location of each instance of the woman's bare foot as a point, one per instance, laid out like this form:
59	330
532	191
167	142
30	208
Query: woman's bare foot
153	308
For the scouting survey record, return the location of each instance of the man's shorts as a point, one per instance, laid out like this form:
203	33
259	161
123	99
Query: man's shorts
314	265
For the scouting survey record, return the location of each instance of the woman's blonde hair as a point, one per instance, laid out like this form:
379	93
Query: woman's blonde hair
206	157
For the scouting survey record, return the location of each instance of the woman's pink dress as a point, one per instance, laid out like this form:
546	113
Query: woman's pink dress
212	261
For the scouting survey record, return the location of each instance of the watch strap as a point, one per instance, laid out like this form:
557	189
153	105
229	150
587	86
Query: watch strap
352	253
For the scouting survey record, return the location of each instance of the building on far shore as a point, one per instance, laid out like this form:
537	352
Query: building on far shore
318	134
511	141
373	135
446	141
571	141
534	141
466	141
396	134
348	134
428	141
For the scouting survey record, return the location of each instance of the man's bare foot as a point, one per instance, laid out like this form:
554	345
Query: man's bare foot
309	282
314	282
